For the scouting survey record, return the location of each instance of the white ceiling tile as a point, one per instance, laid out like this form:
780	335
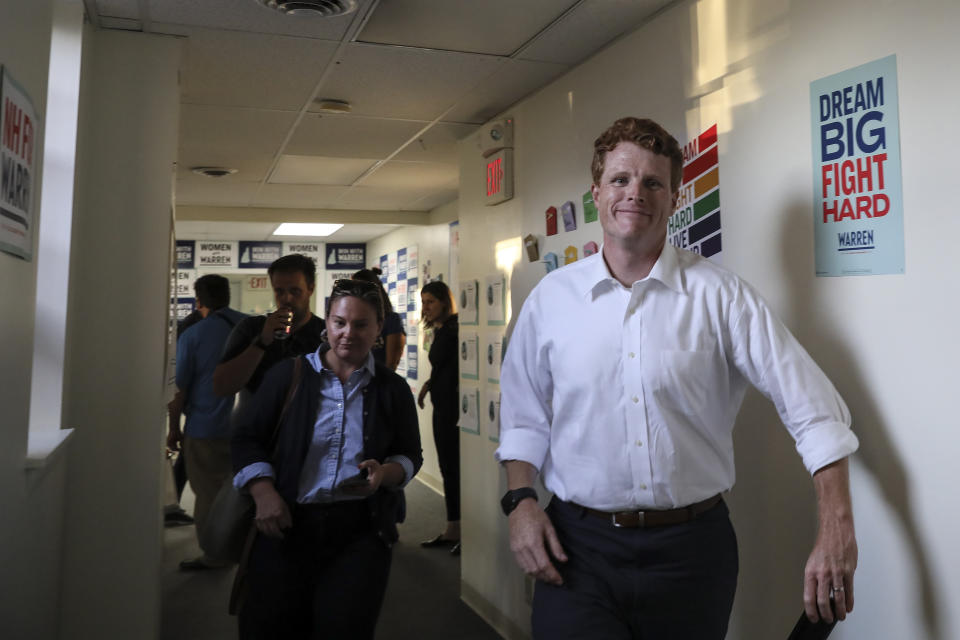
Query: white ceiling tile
405	83
515	81
248	15
438	144
299	196
495	27
433	200
318	170
214	192
350	137
413	175
589	28
378	198
230	68
202	230
118	9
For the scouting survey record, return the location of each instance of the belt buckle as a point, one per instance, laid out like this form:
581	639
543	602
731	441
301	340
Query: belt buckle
638	524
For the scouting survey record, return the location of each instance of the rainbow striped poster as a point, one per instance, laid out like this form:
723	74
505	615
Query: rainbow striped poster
696	223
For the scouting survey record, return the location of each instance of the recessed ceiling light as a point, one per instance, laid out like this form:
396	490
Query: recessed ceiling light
306	229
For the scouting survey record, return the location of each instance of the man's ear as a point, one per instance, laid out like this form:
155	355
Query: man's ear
594	190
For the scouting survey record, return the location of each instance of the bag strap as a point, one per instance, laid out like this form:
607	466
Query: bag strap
291	391
231	323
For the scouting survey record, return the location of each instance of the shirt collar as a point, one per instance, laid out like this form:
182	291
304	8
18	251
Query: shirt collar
666	270
317	362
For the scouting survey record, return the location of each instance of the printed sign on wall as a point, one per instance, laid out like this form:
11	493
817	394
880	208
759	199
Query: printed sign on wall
258	254
217	253
470	410
313	250
857	194
695	225
185	254
346	256
18	130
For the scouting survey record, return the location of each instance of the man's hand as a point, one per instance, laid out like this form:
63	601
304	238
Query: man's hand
174	438
529	527
833	561
273	514
423	393
279	320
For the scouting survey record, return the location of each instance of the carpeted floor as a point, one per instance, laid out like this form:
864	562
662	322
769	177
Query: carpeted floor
422	601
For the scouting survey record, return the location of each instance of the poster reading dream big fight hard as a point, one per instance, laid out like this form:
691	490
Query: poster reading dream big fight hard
857	194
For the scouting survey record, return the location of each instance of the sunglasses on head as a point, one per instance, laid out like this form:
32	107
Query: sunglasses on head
349	285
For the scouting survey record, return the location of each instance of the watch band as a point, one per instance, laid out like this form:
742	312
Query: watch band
258	343
513	497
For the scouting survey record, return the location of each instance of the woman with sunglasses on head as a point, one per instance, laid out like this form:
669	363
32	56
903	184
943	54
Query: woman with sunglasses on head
326	485
389	346
440	312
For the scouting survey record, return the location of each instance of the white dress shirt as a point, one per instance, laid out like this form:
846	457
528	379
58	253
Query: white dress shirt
626	397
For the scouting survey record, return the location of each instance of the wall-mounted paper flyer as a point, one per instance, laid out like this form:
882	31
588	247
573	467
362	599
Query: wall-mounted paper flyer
468	302
490	413
469	356
470	410
493	354
495	299
412	361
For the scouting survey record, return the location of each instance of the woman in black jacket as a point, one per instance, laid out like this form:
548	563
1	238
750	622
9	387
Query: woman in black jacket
327	486
439	312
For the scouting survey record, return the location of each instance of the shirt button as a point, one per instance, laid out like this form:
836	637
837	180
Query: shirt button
635	399
643	486
639	443
633	355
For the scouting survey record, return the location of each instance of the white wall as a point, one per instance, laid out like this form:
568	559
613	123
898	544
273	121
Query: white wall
30	502
117	323
886	341
433	244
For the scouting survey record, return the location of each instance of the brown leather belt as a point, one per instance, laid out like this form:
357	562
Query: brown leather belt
647	519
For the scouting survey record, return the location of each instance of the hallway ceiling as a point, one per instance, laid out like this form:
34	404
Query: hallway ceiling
420	75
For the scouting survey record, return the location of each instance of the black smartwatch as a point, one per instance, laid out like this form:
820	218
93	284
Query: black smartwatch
513	497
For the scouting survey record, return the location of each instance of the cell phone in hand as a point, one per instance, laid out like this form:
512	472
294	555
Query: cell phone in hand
806	630
357	481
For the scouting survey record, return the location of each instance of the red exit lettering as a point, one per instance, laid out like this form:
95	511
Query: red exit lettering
17	131
494	177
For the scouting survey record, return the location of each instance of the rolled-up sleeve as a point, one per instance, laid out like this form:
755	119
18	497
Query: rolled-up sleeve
526	388
768	355
252	472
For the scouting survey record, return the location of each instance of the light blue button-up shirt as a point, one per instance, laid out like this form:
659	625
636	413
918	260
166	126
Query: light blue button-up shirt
336	446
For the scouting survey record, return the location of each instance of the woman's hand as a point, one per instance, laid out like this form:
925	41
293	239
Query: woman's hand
273	514
423	393
379	475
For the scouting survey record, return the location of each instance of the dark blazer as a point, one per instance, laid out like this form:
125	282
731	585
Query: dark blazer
444	358
389	428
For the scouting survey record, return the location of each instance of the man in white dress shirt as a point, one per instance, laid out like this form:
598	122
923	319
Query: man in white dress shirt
621	385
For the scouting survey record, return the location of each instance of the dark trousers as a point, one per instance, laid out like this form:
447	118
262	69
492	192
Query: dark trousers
674	582
446	436
325	579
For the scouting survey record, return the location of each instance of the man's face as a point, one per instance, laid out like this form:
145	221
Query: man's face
290	291
633	198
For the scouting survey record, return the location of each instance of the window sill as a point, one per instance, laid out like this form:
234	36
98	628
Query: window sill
44	447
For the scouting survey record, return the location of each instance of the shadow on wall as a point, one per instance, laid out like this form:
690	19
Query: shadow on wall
774	503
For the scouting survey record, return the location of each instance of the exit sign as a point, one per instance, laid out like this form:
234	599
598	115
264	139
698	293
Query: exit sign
499	177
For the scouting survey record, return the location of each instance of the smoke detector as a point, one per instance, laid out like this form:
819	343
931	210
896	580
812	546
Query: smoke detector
213	172
324	8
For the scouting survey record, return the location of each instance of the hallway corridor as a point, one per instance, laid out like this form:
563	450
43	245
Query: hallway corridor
422	600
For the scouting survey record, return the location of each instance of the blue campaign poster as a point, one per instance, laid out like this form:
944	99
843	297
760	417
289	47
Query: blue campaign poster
259	254
186	254
857	191
412	361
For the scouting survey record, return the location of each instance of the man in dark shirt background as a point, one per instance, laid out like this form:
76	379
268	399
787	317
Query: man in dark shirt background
259	342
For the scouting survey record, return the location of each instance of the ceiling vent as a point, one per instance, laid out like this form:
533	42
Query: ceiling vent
213	172
323	8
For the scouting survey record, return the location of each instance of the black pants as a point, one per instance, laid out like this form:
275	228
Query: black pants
446	436
674	582
325	579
